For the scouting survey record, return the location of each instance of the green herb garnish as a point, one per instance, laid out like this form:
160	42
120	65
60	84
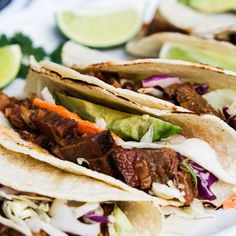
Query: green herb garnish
184	166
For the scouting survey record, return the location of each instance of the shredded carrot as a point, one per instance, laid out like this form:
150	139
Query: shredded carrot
230	202
55	108
83	127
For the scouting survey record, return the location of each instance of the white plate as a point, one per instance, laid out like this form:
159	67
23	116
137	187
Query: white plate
37	19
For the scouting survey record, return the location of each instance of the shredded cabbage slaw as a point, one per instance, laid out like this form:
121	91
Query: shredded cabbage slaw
30	214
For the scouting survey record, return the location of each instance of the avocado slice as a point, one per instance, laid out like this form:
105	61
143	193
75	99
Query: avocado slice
182	52
126	126
211	6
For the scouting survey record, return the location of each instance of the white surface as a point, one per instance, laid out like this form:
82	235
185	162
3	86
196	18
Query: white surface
38	21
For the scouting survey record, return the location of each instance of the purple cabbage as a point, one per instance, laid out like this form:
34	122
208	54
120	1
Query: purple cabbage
162	81
201	88
205	181
97	218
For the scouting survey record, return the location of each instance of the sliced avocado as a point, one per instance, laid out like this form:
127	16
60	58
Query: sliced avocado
211	6
182	52
125	125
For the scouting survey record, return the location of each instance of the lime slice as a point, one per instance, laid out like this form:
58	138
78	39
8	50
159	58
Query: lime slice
100	30
211	6
196	54
10	60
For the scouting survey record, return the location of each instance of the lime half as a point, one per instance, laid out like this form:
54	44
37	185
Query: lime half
100	30
197	54
10	60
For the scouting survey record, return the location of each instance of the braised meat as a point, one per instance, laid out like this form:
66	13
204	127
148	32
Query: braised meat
141	167
113	79
7	231
138	168
184	178
4	101
92	148
159	24
107	208
57	128
232	122
185	95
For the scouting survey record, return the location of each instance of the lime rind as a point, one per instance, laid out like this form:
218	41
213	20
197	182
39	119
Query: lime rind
10	61
100	31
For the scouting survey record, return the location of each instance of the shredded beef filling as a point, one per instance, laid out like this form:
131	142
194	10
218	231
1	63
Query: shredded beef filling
186	96
159	24
113	79
7	231
228	37
137	167
232	122
141	167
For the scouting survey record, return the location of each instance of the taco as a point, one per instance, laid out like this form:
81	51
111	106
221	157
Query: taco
173	16
186	48
179	32
131	146
198	88
39	200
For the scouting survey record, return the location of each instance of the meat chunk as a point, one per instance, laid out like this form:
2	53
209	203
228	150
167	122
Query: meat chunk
41	233
141	167
107	208
232	122
15	117
92	148
186	96
113	79
61	130
7	231
184	178
159	24
4	101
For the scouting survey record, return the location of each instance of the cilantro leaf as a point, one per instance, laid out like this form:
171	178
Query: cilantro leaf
55	55
187	168
4	40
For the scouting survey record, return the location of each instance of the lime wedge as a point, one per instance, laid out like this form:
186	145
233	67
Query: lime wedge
10	60
100	30
196	54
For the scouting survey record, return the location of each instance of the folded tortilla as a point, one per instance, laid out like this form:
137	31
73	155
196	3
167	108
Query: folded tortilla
178	26
37	199
201	134
190	21
154	46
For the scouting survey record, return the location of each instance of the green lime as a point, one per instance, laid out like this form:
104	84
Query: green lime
196	54
10	60
100	30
